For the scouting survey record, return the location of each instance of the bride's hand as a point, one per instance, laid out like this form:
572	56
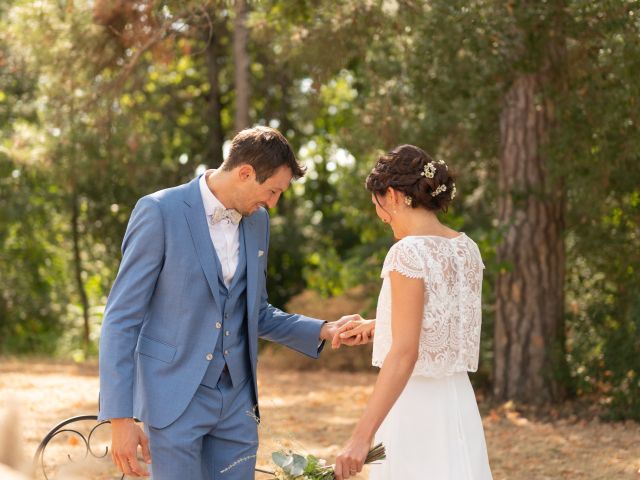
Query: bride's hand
354	332
351	460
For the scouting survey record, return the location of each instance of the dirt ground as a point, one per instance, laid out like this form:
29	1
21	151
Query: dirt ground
313	412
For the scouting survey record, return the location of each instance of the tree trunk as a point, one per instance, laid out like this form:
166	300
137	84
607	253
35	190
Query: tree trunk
216	134
241	62
529	323
75	230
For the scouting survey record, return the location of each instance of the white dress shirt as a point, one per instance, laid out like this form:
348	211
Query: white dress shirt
225	235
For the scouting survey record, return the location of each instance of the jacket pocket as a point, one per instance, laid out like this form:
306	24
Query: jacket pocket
156	349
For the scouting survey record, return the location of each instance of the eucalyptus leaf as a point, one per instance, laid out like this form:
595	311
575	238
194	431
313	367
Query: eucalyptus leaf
299	460
288	464
279	458
296	471
298	466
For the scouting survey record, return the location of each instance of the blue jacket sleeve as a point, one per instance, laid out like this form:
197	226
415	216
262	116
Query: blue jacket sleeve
142	260
299	332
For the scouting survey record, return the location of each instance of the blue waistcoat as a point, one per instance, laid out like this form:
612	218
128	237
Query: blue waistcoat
232	346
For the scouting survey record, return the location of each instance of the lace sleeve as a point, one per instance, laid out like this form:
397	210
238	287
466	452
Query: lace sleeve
479	256
404	258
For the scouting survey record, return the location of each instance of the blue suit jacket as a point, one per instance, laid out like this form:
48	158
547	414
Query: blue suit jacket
159	323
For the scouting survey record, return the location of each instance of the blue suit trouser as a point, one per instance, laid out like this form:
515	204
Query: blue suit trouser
216	438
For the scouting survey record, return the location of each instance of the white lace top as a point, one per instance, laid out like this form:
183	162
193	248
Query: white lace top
452	274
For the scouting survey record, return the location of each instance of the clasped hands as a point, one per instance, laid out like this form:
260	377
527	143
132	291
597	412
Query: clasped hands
350	330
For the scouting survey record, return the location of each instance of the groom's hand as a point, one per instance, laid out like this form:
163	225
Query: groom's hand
357	331
125	438
330	329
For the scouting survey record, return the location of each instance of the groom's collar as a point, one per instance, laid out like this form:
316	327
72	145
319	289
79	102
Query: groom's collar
209	200
193	197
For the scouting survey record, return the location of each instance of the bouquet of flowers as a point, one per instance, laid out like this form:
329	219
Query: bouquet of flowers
292	466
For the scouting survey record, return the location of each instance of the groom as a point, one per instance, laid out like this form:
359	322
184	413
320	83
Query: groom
179	341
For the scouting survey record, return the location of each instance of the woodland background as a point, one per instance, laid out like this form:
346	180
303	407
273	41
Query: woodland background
533	103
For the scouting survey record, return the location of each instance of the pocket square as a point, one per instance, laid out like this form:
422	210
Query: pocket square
260	253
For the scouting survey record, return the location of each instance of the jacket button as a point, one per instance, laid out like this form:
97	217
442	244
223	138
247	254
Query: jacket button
218	325
227	333
209	356
226	315
226	352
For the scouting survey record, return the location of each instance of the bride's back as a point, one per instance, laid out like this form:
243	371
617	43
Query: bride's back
452	271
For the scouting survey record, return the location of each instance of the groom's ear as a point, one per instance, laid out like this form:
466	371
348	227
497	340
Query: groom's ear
245	172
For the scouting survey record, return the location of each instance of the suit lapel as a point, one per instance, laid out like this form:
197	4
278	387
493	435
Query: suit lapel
242	258
196	218
251	251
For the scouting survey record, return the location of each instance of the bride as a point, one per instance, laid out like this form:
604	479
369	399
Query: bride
427	333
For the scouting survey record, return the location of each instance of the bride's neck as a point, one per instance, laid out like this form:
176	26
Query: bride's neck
417	222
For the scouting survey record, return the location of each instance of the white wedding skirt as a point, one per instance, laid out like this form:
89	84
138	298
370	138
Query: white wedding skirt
433	432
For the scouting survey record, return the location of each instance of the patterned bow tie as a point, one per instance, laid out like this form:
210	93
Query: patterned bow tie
220	214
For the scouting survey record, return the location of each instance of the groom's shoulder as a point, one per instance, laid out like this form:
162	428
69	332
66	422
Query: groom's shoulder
169	195
168	200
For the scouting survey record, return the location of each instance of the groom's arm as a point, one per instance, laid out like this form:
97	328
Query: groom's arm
142	259
299	332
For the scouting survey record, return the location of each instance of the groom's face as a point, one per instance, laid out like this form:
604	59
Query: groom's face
253	195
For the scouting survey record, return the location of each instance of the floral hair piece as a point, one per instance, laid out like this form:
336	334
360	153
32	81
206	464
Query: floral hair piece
439	190
429	170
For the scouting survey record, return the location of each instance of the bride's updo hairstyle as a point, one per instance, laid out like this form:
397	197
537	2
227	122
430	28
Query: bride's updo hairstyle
427	182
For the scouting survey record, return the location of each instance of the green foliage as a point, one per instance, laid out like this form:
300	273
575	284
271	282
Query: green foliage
33	298
604	335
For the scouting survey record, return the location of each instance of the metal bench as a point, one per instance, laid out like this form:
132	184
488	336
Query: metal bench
77	447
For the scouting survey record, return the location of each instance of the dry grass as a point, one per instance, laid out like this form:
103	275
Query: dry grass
315	410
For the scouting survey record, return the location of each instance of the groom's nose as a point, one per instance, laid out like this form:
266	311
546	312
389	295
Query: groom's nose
273	200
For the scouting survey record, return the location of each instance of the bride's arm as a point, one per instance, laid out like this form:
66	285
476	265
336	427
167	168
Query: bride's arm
407	300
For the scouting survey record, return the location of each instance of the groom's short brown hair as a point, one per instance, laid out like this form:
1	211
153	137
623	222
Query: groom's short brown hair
265	149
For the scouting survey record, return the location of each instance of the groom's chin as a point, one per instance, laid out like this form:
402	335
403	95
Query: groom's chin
253	210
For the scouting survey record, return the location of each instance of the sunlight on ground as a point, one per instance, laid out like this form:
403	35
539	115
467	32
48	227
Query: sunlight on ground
313	412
